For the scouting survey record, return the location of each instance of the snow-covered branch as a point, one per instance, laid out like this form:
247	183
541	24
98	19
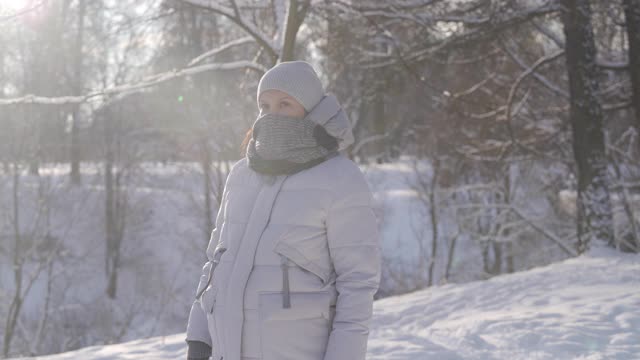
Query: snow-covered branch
514	209
396	5
612	65
560	242
131	88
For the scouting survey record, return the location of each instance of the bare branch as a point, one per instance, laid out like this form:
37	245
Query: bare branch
512	92
219	49
233	14
605	64
22	12
367	140
543	80
490	29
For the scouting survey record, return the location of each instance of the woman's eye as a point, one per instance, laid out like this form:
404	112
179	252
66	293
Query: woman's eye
284	103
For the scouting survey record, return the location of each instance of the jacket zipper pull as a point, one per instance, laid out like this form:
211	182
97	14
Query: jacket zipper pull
286	299
213	306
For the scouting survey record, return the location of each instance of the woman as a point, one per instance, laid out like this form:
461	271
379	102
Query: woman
294	258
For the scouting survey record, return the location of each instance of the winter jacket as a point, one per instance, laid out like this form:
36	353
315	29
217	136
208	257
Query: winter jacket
293	263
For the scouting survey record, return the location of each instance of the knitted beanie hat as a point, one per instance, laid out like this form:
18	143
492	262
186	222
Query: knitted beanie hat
296	78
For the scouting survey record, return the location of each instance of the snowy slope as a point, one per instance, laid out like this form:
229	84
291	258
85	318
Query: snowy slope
582	308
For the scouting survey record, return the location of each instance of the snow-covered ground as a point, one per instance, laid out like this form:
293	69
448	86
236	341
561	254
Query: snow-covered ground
581	308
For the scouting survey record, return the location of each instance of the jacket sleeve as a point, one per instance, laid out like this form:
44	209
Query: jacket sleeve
354	246
197	328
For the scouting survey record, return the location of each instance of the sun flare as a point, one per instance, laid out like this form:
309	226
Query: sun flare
11	6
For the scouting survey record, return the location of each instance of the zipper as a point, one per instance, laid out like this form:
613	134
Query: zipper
213	305
286	303
286	297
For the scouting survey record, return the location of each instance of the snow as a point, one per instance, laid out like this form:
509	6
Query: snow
582	308
161	347
586	307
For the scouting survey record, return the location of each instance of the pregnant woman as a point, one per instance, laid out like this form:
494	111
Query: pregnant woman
294	258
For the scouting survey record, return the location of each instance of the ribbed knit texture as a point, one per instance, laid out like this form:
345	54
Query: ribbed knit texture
296	78
279	137
286	145
197	350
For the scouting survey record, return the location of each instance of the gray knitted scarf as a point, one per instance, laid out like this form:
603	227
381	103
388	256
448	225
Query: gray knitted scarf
285	145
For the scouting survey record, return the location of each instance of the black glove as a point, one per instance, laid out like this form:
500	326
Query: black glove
197	350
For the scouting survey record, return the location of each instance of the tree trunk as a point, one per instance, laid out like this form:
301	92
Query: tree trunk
485	258
509	251
508	200
112	232
379	124
75	145
35	150
296	13
595	221
632	19
497	258
16	302
433	210
109	200
2	74
450	257
207	172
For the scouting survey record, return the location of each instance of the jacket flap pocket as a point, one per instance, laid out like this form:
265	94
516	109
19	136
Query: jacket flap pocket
298	244
304	305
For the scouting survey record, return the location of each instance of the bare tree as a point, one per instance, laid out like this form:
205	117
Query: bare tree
632	20
33	251
594	208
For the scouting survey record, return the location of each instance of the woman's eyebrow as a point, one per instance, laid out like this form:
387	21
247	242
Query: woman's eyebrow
282	98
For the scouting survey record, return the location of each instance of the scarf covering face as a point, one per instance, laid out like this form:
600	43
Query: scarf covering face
285	145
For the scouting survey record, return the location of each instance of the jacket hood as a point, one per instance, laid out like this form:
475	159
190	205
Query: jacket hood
329	114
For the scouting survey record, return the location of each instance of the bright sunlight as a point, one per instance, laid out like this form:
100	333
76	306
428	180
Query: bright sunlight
9	7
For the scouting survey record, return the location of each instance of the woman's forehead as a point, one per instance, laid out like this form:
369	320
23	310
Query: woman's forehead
274	94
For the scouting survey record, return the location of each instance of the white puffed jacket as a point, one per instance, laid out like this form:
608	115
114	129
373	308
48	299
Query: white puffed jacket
293	262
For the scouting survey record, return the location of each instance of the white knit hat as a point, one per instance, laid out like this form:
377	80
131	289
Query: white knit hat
296	78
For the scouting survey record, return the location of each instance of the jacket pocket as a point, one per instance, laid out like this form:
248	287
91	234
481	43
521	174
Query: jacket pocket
300	332
208	299
306	246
